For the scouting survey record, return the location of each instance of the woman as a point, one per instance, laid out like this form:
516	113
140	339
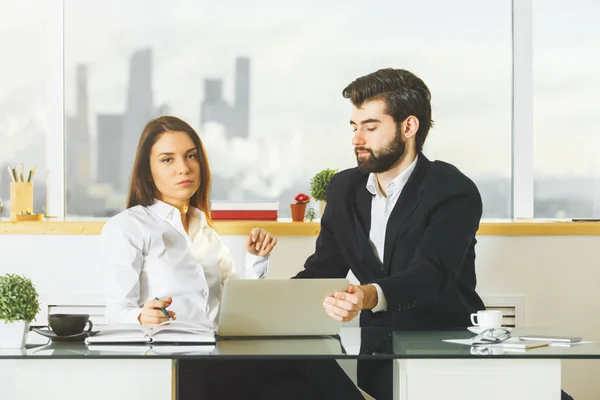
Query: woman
164	246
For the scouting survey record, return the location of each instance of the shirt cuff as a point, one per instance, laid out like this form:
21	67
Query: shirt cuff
381	301
124	316
256	267
133	315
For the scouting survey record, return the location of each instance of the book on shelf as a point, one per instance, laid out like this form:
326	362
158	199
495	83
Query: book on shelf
256	215
167	332
247	210
264	205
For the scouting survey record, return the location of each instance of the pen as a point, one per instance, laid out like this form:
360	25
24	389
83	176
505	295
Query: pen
12	177
164	310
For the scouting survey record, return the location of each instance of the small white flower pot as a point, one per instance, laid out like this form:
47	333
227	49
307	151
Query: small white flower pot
322	204
13	335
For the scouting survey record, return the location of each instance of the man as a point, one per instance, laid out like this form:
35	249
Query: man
405	226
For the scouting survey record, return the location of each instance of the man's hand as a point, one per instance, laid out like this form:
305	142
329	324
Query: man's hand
345	306
260	242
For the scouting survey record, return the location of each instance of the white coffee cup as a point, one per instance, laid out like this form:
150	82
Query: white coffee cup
487	319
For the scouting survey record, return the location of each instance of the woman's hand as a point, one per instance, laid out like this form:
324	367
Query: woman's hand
151	314
260	242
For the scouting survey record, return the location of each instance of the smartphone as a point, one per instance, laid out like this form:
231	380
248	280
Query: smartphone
560	339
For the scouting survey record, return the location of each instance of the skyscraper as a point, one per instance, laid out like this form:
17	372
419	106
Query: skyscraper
140	109
214	108
242	96
110	132
235	118
77	136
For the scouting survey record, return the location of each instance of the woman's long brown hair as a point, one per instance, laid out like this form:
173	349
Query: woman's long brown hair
141	188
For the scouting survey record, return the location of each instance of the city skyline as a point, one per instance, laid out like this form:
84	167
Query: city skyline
563	74
223	145
224	126
122	130
302	59
217	137
220	144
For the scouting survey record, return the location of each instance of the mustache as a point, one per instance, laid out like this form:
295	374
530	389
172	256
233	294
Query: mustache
357	149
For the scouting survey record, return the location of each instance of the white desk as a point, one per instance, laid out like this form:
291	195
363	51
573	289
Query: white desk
424	367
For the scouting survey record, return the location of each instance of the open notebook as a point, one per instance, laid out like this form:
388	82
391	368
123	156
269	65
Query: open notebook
167	332
149	349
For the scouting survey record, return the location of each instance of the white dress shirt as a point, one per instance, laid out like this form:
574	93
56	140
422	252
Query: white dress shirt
381	208
146	253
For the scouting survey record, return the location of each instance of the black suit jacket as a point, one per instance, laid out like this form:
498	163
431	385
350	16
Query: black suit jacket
428	271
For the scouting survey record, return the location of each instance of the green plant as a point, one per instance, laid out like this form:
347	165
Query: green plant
18	298
310	214
319	182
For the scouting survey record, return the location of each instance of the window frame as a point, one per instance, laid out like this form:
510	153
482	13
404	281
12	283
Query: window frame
522	177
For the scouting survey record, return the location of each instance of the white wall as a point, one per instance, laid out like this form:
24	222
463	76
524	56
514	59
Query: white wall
559	277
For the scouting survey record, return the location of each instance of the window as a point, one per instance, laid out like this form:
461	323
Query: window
262	86
566	101
23	97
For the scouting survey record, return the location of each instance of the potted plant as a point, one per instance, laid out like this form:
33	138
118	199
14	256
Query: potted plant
310	214
299	208
29	215
318	186
18	307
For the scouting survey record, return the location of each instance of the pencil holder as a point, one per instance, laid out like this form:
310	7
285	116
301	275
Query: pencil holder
21	198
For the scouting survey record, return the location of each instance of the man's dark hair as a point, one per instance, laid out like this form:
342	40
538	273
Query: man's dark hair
404	95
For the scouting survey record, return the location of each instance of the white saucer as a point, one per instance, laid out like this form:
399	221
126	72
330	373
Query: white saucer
488	351
477	330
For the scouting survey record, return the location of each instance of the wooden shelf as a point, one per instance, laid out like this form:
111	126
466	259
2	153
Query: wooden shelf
508	228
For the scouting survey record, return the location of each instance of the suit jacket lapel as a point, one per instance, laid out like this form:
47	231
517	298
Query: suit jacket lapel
407	202
362	208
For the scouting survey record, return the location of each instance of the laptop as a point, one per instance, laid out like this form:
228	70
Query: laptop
257	346
278	307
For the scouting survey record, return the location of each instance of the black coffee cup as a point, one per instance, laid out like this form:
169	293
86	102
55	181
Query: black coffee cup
69	324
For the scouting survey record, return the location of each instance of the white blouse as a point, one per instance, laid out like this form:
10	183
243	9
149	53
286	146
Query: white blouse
146	253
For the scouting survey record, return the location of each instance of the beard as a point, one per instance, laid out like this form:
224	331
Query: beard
384	159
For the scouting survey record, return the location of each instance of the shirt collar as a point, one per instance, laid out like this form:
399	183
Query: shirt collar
397	182
168	212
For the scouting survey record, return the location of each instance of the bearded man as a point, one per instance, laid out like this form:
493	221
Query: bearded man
405	226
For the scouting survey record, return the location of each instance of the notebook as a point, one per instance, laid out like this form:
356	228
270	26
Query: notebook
149	349
523	344
167	332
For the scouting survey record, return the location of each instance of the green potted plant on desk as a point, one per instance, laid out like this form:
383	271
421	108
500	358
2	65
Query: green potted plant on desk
318	186
18	307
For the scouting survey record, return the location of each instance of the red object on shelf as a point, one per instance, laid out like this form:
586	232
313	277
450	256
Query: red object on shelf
268	215
298	211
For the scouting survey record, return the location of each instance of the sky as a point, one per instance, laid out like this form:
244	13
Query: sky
304	53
